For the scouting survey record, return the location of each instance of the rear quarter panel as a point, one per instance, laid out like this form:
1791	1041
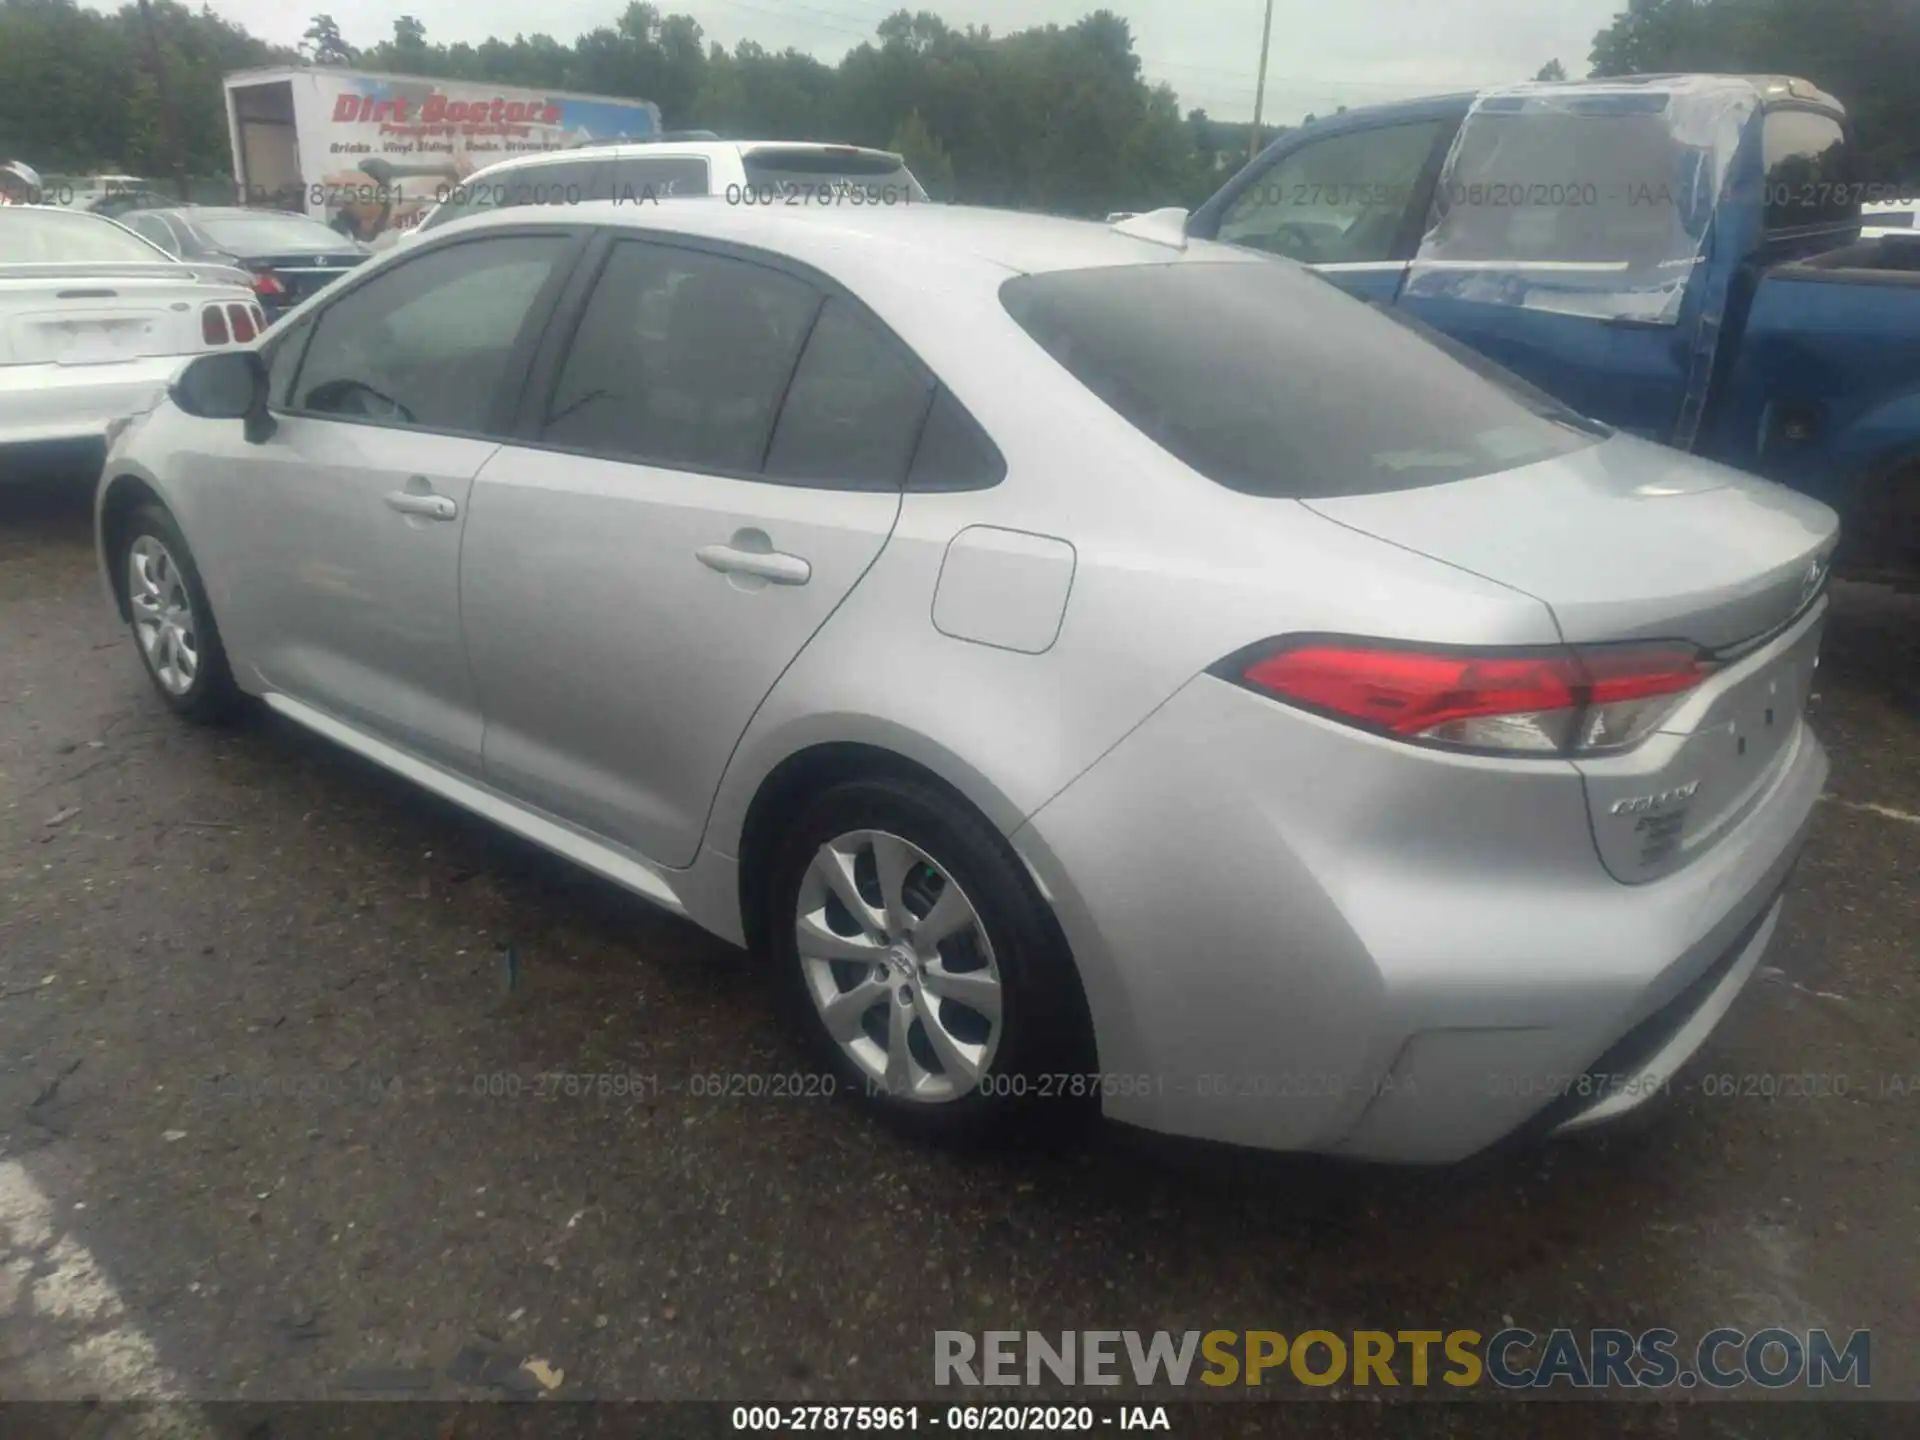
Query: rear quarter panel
1171	572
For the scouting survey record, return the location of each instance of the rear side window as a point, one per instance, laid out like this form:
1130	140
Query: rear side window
154	228
954	452
680	360
562	182
1268	380
1809	179
853	411
640	180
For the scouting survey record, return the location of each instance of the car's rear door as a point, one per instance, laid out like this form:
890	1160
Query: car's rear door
710	456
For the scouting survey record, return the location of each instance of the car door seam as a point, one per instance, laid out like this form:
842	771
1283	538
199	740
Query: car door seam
720	784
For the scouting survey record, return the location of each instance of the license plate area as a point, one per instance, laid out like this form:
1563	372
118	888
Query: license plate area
94	341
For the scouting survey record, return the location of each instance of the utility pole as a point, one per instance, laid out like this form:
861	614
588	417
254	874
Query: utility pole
169	126
1259	86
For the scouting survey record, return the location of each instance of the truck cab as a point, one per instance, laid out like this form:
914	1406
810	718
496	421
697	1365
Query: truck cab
1679	256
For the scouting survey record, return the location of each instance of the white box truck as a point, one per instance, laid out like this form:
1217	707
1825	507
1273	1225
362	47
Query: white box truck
370	153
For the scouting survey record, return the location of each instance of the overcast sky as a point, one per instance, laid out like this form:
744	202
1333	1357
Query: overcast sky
1325	53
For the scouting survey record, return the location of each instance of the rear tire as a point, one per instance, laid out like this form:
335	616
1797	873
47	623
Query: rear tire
171	620
926	971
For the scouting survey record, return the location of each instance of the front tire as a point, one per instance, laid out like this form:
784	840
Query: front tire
171	620
923	965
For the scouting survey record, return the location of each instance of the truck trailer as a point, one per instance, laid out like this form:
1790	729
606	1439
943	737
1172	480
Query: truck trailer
370	153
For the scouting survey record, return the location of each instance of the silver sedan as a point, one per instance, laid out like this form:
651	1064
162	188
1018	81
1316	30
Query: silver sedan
1097	669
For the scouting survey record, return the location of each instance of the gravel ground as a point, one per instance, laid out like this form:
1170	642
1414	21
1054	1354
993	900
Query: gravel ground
271	1022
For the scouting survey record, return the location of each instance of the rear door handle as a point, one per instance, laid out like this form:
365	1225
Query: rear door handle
431	507
767	565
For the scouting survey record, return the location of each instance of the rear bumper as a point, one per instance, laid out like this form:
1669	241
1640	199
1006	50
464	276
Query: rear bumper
1295	936
74	402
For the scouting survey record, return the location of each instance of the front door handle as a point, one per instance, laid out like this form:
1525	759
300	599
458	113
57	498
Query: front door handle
763	564
432	507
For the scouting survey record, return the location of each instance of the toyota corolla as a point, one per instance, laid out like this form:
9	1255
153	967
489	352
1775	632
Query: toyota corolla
1093	667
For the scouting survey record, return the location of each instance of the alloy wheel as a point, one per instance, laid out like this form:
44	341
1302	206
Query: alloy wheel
163	618
899	967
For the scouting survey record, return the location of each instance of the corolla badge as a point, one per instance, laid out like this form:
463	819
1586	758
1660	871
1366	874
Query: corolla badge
1642	804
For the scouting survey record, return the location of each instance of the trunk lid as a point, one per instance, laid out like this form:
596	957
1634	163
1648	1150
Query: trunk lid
102	314
1623	540
304	272
1628	540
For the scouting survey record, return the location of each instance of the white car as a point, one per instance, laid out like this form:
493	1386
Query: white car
743	172
94	321
1899	217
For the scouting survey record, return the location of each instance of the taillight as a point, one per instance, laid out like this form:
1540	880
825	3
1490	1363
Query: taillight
265	282
241	317
213	325
1581	701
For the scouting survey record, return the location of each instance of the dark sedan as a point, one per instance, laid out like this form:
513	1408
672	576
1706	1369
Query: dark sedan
289	256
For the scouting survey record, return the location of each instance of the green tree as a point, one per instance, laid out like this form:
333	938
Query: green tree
324	44
926	157
1865	52
1553	70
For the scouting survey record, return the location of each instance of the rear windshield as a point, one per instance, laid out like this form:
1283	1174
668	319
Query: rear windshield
30	236
1268	380
265	233
832	172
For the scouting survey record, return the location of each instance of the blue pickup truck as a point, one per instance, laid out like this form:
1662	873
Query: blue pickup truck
1677	256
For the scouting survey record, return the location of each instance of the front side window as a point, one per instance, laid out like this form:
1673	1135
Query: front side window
428	342
680	360
1585	201
1341	200
1268	380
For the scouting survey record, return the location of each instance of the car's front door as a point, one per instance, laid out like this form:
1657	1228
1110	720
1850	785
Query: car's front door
1351	204
343	527
709	464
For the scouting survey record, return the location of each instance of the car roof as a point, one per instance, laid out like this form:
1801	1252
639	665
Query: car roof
1770	88
672	149
903	241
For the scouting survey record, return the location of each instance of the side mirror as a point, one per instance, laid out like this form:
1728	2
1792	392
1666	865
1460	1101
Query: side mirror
229	385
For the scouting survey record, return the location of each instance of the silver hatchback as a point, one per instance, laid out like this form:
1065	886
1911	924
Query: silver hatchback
1097	669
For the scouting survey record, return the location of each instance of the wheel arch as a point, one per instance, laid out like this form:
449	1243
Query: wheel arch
120	496
749	828
1876	525
808	771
